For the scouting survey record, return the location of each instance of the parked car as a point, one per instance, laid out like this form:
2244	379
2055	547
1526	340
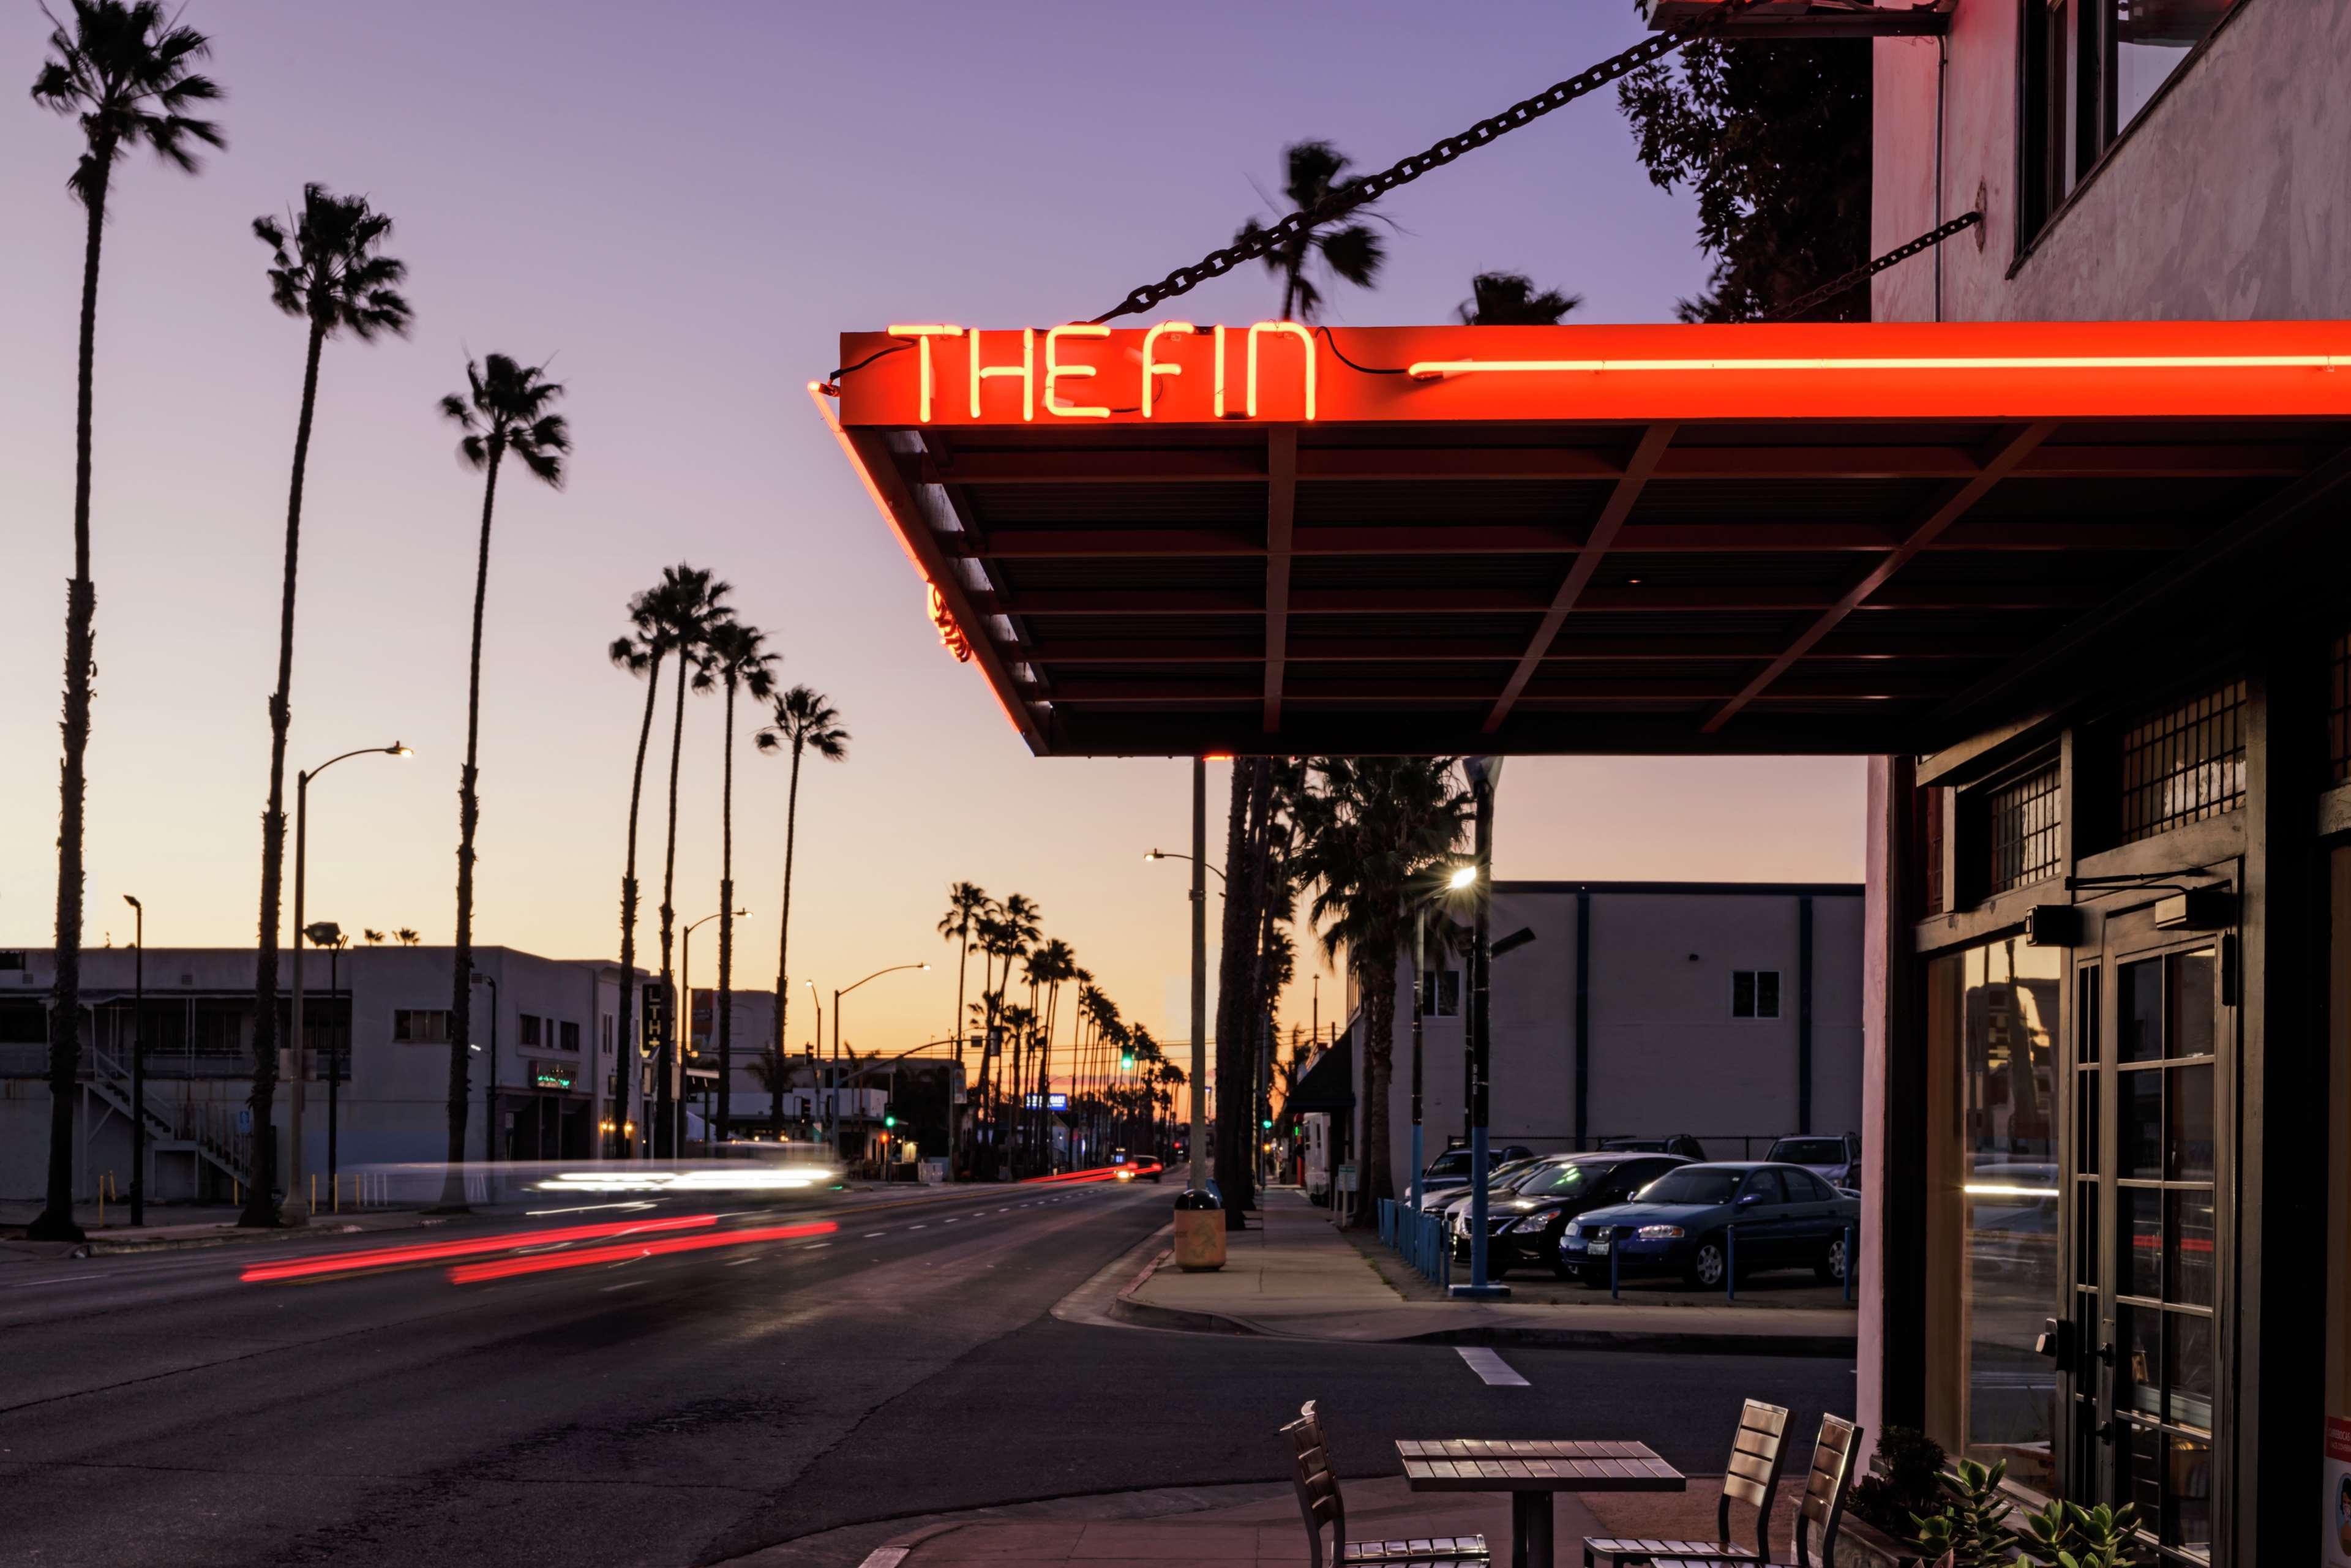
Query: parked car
1451	1168
1787	1218
1523	1225
1453	1204
1835	1160
1680	1144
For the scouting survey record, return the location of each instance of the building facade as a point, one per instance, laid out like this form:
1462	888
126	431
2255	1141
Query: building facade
1728	1011
2109	1026
376	1082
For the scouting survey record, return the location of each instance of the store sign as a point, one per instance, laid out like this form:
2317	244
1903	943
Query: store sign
1173	370
552	1074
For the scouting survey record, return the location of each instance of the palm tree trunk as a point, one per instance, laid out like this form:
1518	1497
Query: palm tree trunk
470	816
784	936
624	1064
261	1198
665	1098
726	927
962	969
56	1221
1378	977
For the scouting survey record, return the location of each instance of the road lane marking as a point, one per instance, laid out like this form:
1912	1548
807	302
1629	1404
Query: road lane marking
1491	1366
885	1557
872	1234
739	1262
627	1285
947	1221
917	1227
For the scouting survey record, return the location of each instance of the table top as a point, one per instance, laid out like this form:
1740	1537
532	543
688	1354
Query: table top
1494	1464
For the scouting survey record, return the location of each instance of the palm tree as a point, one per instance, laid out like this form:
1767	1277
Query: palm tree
1314	182
407	937
373	937
806	722
506	407
966	903
123	71
1050	966
739	660
1509	299
1014	928
688	622
1373	826
331	272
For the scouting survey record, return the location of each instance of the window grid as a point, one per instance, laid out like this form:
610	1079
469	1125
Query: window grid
2025	818
2338	709
2184	765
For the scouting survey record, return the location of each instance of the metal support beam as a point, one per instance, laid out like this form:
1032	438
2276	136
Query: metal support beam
1948	509
1643	463
1280	511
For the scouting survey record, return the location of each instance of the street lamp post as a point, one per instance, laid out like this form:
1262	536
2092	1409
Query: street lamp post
833	1121
685	982
328	935
816	1090
138	1065
1197	1180
1484	773
301	1052
490	1085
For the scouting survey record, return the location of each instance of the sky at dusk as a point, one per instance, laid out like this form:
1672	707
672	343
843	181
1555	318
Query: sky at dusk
685	205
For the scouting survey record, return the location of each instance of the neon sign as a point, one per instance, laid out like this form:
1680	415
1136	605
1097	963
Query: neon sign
1151	377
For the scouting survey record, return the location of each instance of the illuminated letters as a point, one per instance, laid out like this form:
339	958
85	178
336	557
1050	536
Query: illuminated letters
1151	370
1217	353
924	336
1026	369
1055	372
1278	328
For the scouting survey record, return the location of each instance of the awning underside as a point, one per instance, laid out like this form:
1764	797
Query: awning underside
1766	585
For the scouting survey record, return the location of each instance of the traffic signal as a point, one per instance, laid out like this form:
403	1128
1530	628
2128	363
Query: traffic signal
1269	1123
1126	1062
889	1116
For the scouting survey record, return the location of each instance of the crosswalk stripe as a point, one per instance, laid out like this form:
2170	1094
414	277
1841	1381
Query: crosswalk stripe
1490	1365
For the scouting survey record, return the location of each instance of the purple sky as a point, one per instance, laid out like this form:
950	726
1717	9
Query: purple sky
686	205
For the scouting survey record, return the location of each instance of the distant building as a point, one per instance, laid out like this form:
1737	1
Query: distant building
377	1017
1729	1011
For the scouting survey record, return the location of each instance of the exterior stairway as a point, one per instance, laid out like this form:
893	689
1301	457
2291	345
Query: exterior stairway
206	1131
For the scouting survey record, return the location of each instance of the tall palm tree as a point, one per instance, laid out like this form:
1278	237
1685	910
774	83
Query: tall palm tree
1372	824
967	902
739	661
686	628
806	722
124	72
331	272
408	937
373	937
1510	299
506	407
1015	927
1314	178
1051	966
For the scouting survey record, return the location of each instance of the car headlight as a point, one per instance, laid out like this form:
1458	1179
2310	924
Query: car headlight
1659	1233
1575	1227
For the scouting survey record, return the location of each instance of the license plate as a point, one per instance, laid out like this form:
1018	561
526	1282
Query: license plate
1597	1246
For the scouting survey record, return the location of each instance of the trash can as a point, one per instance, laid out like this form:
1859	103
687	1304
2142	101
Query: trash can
1200	1232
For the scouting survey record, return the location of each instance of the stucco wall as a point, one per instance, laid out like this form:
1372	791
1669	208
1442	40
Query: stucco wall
2224	203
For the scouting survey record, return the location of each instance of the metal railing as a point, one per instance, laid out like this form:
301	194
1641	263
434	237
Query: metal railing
1419	1238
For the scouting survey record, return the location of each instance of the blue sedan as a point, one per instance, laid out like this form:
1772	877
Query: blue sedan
1786	1217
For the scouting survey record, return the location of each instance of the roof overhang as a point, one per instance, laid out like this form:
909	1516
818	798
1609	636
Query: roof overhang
1787	19
1170	541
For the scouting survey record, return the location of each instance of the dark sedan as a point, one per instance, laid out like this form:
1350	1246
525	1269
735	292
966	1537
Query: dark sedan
1523	1225
1786	1217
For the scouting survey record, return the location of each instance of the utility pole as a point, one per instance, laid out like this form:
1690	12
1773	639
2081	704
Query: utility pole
1483	772
138	1064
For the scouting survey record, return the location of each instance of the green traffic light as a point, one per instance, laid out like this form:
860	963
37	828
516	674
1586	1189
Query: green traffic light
1126	1065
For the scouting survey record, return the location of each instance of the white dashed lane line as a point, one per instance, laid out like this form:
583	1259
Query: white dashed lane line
872	1234
1487	1364
628	1284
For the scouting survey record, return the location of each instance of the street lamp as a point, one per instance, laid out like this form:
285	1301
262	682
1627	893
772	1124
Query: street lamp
328	935
1172	855
686	981
490	1084
834	1117
138	1065
1485	773
301	826
816	1000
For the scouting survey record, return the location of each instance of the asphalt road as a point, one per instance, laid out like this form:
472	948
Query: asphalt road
689	1408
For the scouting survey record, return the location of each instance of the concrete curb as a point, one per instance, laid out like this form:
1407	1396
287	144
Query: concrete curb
1678	1341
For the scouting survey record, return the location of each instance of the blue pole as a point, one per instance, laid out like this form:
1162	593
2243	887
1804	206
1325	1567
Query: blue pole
1415	1159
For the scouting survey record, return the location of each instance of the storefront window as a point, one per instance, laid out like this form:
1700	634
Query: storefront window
1993	1042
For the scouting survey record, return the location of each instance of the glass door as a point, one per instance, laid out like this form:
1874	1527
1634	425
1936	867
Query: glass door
2151	1029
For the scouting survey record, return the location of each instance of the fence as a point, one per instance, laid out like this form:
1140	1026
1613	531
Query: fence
1419	1238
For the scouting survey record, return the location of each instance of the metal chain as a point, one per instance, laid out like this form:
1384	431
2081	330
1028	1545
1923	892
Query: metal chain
1861	274
1361	193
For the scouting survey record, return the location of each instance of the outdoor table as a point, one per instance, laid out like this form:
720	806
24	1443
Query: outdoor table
1531	1471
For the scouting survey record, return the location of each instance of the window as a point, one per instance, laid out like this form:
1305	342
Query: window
420	1026
568	1036
1440	994
604	1033
2184	764
1763	1186
2090	70
1754	993
530	1030
1993	1269
2024	818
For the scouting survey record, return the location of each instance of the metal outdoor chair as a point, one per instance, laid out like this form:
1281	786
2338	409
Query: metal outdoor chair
1318	1499
1752	1477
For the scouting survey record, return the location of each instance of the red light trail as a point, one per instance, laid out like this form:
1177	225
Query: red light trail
547	1263
431	1251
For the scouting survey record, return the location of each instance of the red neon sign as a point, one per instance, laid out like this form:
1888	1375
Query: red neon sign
1179	373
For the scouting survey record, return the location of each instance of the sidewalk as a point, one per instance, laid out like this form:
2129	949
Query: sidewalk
1293	1274
1239	1526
